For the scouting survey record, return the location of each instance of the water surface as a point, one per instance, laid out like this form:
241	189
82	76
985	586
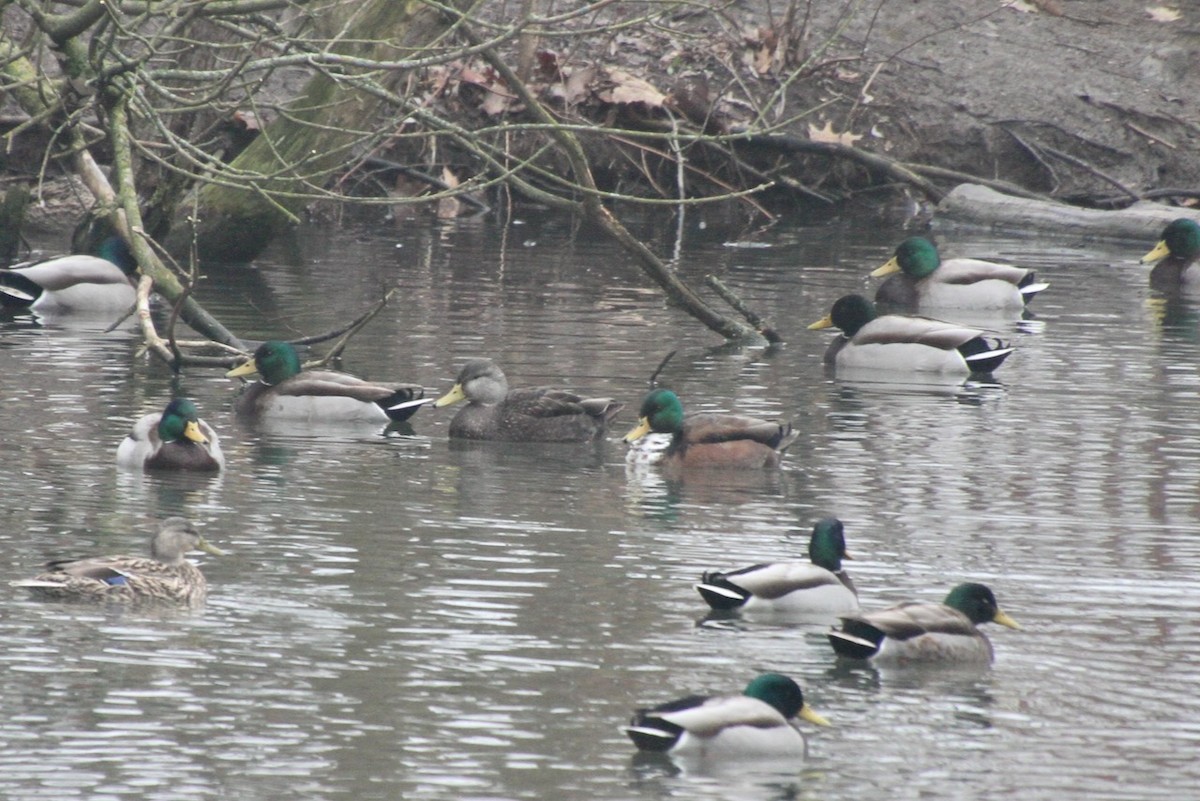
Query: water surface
404	616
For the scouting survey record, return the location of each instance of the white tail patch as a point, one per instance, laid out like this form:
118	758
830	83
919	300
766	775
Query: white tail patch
735	596
841	635
988	355
411	403
663	735
17	294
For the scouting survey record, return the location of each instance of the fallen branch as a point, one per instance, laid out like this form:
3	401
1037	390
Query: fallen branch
595	212
786	143
353	328
760	325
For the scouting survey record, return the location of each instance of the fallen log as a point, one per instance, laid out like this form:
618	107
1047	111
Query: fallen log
971	205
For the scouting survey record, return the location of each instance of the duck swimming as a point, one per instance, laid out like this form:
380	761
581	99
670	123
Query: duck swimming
896	342
535	414
756	723
287	392
1175	256
76	283
710	439
164	576
915	632
919	279
173	439
818	586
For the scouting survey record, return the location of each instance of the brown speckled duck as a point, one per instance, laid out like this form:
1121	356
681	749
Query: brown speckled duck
164	576
535	414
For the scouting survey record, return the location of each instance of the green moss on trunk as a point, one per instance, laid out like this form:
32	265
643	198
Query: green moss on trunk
315	137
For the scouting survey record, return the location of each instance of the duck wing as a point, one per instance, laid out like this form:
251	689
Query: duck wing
333	383
904	329
912	619
55	275
971	271
777	579
545	402
706	428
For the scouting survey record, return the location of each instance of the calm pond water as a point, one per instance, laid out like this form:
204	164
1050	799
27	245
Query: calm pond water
401	616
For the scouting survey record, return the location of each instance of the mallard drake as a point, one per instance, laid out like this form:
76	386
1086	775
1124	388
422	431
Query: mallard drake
710	439
920	279
756	723
536	414
164	576
924	632
286	392
902	342
78	283
1175	253
173	439
818	586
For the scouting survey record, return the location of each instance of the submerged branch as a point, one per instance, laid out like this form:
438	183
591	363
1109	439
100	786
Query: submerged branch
595	212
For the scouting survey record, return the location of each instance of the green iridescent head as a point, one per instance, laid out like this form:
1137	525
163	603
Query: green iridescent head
827	547
849	313
917	257
274	361
180	421
661	413
785	695
978	603
1180	239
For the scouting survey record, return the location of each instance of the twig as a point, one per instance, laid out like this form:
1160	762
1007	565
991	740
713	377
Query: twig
466	197
1149	135
787	143
1083	165
349	331
1033	151
149	334
654	376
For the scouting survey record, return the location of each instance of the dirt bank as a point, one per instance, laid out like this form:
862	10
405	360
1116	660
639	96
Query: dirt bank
1081	99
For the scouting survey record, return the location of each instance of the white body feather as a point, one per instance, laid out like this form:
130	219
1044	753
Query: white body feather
908	356
321	409
935	647
80	283
734	727
1001	293
795	587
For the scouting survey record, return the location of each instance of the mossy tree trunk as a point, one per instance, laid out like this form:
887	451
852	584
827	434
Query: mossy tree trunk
318	134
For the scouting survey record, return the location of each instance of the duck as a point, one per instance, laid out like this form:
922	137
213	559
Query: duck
534	414
818	586
920	279
75	283
757	723
710	439
1175	255
173	439
917	632
285	391
898	342
165	576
